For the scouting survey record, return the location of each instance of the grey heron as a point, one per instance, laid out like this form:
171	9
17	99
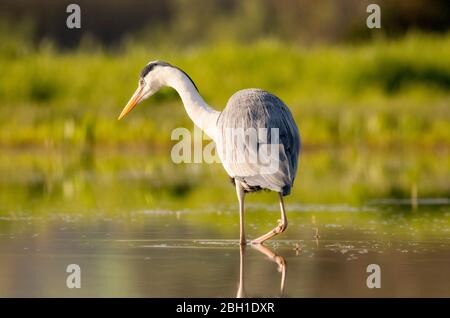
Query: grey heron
248	109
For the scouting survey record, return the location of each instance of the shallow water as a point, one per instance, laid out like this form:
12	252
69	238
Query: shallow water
167	255
135	236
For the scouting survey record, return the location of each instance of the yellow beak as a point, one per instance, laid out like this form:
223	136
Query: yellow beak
134	100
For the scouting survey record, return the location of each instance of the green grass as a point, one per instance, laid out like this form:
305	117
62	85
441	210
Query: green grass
383	93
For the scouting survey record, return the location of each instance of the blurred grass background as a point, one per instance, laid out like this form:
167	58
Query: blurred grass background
379	94
345	84
372	105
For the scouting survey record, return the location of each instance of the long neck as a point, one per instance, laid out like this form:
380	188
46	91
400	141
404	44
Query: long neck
200	113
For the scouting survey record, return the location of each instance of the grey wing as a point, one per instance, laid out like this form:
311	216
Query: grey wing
260	111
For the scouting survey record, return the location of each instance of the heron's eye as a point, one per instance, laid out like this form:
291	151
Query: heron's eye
142	82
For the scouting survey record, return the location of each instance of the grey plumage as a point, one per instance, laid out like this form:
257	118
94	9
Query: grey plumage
256	108
256	137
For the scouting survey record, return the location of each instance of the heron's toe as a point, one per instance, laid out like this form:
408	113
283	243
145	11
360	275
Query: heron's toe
256	242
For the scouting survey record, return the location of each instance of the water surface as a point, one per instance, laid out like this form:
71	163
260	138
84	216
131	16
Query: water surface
143	228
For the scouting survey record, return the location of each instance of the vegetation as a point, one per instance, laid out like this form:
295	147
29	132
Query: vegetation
374	119
384	93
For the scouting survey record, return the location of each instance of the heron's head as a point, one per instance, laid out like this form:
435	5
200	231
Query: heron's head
150	81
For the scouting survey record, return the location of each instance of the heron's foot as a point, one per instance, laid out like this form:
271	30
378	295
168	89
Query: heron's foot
242	242
256	242
280	228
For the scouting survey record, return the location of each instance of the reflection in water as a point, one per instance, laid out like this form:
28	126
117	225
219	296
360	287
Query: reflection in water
279	260
121	258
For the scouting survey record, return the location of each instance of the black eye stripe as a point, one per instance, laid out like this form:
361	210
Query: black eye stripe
148	68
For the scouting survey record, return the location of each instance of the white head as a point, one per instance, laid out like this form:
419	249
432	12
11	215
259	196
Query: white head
152	78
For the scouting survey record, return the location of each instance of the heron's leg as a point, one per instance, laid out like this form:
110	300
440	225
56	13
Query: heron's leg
241	195
282	225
